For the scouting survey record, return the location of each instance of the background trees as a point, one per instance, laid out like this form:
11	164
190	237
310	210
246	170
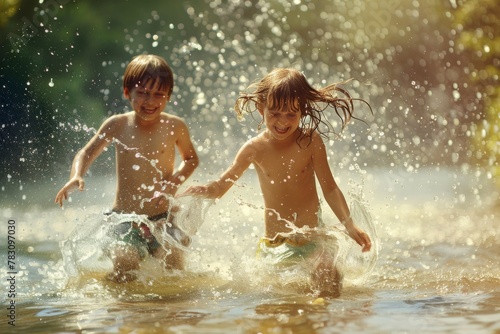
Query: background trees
429	69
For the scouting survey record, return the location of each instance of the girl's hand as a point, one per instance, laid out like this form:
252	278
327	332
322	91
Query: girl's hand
197	191
75	183
358	235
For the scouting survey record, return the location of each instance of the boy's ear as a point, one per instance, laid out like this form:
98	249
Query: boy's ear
126	93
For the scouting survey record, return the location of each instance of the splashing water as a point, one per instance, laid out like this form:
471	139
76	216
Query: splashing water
86	252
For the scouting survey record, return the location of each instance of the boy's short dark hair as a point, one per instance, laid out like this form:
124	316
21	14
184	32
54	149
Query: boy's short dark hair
144	68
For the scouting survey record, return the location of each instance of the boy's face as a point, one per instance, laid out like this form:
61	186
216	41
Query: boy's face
148	100
281	124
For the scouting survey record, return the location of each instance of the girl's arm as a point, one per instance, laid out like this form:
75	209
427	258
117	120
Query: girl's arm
218	188
84	158
334	196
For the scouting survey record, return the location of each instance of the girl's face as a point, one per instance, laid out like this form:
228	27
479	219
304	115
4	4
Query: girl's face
281	124
148	101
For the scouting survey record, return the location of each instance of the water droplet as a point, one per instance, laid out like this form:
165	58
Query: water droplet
136	167
51	83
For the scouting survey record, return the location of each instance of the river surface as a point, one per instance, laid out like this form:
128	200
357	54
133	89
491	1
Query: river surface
437	268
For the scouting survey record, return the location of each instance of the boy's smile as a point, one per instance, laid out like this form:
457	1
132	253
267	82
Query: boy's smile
148	101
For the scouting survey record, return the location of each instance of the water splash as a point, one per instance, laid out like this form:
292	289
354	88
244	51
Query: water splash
86	251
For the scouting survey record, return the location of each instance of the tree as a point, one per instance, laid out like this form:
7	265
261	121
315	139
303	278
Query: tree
479	28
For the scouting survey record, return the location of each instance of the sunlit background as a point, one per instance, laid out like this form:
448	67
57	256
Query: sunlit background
428	68
427	159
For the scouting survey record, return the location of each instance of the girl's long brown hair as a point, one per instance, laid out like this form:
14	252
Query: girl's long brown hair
288	89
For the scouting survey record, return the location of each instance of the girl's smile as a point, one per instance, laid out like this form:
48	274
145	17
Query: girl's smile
281	124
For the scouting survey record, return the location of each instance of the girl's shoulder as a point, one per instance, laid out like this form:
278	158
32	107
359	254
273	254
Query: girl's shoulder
308	137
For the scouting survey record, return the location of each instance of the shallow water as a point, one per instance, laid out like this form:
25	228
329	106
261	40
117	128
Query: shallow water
437	269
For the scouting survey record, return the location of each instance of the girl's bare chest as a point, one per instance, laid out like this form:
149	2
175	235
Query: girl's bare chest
284	165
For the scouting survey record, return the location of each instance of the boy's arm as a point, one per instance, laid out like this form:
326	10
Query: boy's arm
84	158
189	158
334	196
217	189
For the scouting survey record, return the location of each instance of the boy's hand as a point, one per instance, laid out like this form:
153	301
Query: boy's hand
359	236
75	182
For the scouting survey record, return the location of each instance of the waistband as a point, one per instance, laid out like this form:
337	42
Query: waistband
294	240
163	215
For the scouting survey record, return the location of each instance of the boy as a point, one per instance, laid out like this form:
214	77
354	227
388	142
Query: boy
145	140
289	156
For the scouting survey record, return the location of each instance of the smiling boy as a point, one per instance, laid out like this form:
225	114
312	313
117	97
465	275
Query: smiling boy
145	141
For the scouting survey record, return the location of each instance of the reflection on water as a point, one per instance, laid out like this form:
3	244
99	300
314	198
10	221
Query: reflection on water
437	271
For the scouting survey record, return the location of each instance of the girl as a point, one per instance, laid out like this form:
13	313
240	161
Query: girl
288	156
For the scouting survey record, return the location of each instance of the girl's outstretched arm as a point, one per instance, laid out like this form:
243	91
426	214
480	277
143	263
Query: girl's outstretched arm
218	188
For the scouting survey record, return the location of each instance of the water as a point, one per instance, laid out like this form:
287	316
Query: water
437	269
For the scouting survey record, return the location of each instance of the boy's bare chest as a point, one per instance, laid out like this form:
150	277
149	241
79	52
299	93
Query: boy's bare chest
151	145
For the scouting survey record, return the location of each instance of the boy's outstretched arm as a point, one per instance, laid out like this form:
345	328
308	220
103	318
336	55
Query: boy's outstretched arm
217	189
83	159
334	196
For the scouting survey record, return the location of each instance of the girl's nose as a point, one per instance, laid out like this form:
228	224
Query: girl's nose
282	119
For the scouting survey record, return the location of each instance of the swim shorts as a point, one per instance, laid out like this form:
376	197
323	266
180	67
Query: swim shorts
282	250
138	235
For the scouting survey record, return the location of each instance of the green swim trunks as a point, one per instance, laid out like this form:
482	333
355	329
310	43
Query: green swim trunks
138	235
284	251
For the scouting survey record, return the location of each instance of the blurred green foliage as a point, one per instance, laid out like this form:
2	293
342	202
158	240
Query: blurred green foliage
479	25
62	63
422	65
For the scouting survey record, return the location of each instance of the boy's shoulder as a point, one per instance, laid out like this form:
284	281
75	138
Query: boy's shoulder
119	118
115	122
166	117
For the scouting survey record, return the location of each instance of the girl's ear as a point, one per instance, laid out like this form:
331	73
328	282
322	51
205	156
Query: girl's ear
260	108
